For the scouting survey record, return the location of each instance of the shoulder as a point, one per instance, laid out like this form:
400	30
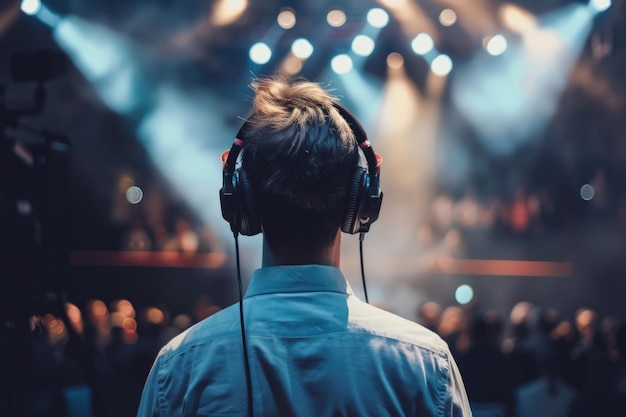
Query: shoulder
224	323
371	319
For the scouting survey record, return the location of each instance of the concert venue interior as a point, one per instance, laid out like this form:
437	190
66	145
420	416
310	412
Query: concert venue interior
502	124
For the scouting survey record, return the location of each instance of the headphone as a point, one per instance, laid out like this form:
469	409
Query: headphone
363	197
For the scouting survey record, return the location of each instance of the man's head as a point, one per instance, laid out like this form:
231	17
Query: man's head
300	156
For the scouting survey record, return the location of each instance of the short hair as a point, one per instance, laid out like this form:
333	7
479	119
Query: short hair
299	155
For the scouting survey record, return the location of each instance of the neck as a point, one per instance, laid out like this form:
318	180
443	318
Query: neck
292	255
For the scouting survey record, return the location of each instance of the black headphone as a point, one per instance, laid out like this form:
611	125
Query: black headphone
363	197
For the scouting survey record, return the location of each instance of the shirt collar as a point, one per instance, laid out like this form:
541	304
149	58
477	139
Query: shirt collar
297	278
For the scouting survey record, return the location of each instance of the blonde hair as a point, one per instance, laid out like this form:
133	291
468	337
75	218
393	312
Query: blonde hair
300	154
280	105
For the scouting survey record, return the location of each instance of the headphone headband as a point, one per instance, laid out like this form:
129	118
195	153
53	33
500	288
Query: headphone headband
361	138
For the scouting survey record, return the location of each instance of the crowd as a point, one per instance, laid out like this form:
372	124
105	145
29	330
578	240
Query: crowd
98	367
535	363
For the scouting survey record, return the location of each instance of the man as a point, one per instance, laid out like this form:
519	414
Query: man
309	346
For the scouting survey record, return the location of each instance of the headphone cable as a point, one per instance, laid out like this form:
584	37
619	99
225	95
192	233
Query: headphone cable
361	238
243	332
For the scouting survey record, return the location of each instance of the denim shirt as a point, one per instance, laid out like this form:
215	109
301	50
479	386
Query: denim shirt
315	350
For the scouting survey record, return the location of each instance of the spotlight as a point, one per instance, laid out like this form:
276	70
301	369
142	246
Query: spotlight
260	53
226	12
497	45
302	48
341	64
517	19
442	65
363	45
377	18
30	7
599	5
422	44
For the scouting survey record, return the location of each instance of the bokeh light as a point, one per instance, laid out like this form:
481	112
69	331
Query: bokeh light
363	45
30	7
341	64
377	18
134	195
286	19
447	17
600	5
291	65
336	18
226	12
497	45
154	315
302	48
422	44
587	192
442	65
260	53
395	60
464	294
517	19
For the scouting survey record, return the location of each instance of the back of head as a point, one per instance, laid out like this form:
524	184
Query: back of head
300	156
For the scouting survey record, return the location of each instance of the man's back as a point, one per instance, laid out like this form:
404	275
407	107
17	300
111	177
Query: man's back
315	350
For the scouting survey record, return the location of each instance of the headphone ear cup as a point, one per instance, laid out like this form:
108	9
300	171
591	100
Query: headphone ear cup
249	220
354	200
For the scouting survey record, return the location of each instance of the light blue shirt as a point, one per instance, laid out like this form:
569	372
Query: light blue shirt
315	350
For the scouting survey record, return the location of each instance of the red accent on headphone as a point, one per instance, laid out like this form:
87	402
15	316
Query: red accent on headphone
379	161
224	156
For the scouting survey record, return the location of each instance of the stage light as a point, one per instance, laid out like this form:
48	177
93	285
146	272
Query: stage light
286	19
105	58
442	65
169	121
134	194
260	53
599	5
517	19
422	44
510	101
173	133
302	48
226	12
447	17
30	7
341	64
336	18
497	45
464	294
587	192
377	18
363	45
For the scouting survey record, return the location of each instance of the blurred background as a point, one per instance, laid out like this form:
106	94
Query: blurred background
501	125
